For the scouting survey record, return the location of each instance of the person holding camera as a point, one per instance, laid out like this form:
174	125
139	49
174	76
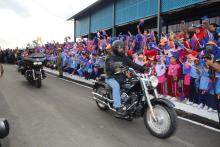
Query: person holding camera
215	65
215	30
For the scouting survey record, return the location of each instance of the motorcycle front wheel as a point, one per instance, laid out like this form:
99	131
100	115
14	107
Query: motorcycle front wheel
165	124
38	82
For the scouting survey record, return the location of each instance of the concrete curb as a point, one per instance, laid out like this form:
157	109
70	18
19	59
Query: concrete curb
77	79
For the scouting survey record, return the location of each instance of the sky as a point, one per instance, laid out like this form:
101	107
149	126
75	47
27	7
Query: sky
22	21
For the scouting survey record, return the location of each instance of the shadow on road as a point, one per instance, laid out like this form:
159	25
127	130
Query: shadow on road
30	86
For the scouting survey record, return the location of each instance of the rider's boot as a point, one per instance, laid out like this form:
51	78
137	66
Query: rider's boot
120	112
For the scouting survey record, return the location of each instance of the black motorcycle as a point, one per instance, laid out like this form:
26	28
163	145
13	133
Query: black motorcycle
139	99
33	68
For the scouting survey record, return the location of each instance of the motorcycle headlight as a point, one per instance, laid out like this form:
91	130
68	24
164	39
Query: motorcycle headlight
37	63
154	81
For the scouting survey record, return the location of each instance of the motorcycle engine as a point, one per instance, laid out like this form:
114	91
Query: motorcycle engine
124	97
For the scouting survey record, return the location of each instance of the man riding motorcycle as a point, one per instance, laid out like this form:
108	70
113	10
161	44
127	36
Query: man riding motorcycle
114	62
25	55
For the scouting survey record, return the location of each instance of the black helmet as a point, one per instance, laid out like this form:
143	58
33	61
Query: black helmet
118	48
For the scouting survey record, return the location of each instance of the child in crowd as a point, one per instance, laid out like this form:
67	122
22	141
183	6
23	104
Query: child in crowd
186	72
73	63
88	69
161	74
204	85
82	62
194	82
172	78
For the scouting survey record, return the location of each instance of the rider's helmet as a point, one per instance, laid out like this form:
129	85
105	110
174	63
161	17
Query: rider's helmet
118	48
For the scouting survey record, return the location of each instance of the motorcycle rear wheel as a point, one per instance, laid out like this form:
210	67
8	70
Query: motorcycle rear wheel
165	126
101	106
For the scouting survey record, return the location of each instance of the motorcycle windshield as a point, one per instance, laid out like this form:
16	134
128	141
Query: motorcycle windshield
36	57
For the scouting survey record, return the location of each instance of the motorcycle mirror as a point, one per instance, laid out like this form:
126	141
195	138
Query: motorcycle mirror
4	128
131	69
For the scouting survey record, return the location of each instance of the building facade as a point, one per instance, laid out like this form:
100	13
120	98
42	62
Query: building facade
119	16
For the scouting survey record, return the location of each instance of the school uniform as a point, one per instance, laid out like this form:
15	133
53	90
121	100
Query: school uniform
211	98
160	72
83	62
186	82
204	86
172	83
96	67
194	83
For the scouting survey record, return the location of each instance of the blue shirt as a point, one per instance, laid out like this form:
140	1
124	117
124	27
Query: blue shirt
195	71
204	81
186	70
63	56
217	74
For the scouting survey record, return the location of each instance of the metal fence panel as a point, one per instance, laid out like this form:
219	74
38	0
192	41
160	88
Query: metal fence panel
130	10
82	26
168	5
102	18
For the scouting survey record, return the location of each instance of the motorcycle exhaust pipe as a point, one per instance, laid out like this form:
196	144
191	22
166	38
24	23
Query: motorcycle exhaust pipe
104	103
114	110
101	96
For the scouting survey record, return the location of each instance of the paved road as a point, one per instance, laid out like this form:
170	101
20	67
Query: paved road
62	114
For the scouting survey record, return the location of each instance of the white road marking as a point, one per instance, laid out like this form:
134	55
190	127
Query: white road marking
185	119
199	124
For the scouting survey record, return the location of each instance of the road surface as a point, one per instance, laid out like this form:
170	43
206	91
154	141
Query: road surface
62	114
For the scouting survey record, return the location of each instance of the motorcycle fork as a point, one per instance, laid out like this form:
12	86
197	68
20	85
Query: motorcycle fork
148	99
41	76
33	74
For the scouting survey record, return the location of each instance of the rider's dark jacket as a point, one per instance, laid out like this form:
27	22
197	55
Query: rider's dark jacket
114	62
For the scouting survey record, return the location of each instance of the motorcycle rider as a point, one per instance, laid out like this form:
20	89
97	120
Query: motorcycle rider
114	62
25	55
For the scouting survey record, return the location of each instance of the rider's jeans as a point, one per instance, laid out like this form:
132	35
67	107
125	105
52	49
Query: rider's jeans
116	91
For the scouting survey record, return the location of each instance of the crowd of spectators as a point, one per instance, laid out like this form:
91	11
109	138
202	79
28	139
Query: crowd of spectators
7	56
179	60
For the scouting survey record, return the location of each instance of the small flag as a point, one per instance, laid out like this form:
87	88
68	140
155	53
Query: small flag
141	23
